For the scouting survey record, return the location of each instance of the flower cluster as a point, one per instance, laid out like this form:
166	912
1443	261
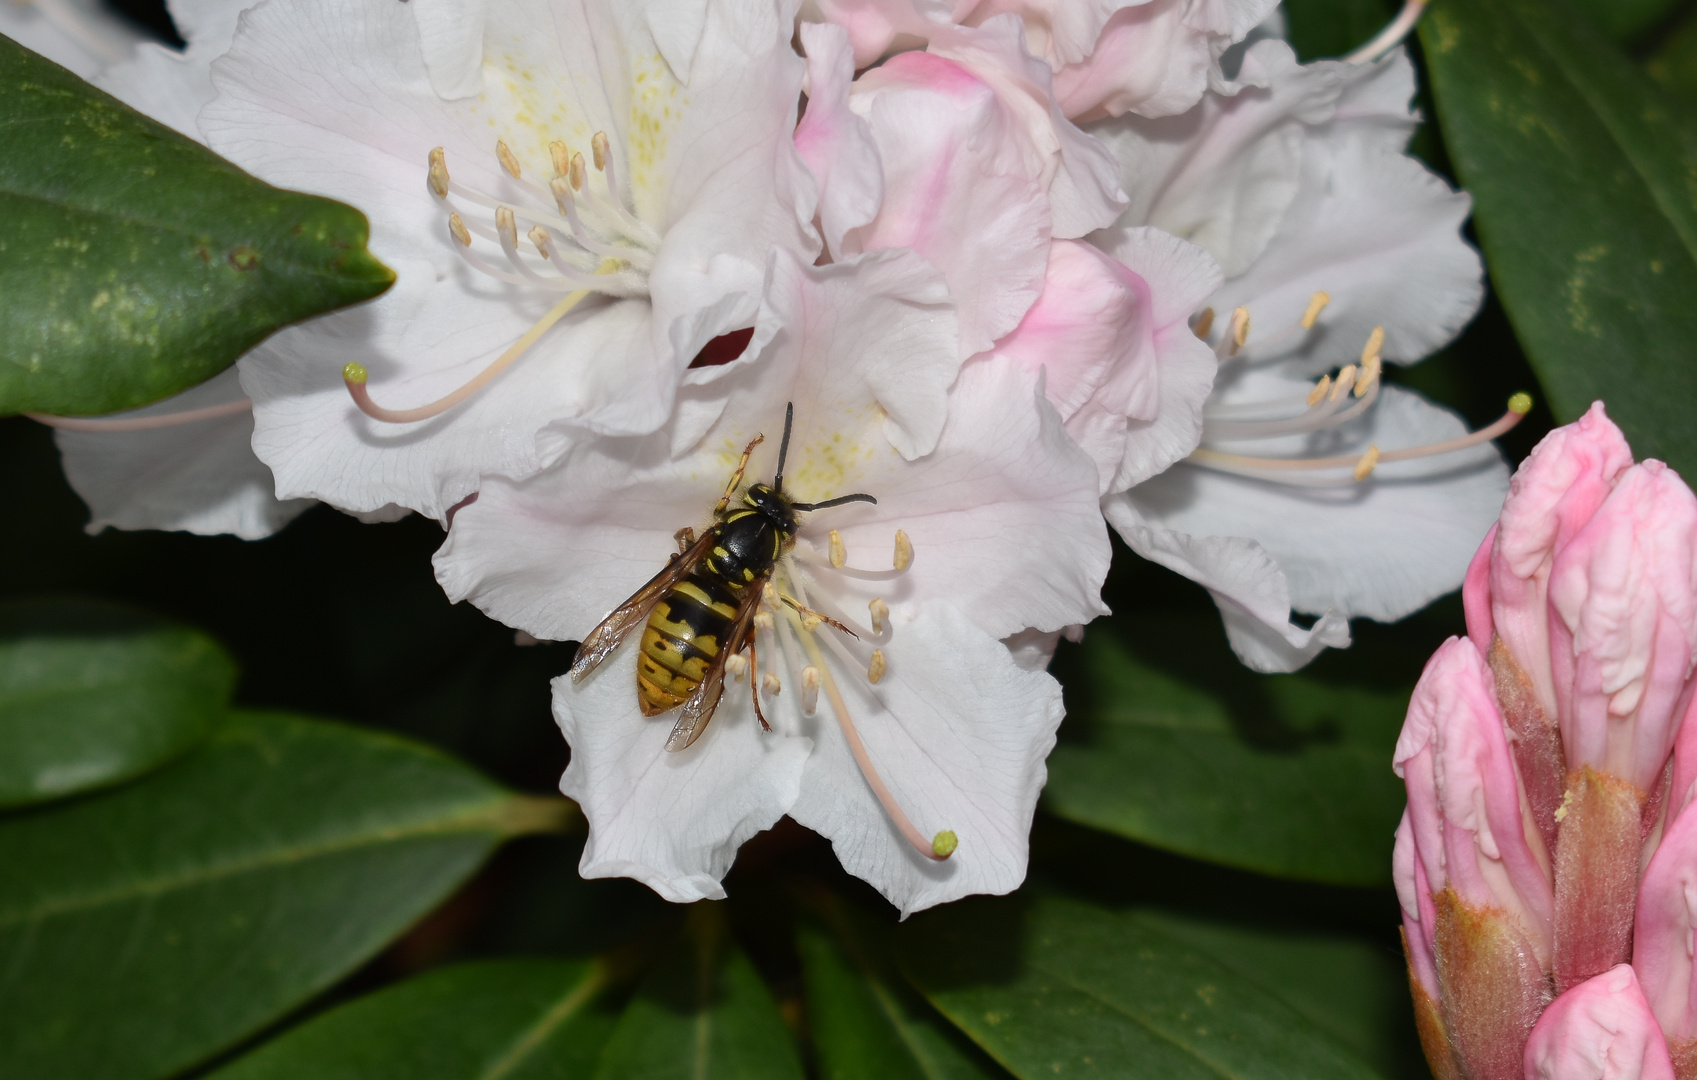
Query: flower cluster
988	268
1545	863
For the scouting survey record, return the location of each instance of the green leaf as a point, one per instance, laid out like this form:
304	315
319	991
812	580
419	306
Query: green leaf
701	1014
136	263
1169	741
867	1022
498	1020
1625	20
145	928
1674	63
1354	990
92	694
1053	987
1585	195
1329	28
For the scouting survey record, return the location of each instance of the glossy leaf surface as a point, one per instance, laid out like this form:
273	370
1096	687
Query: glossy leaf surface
508	1019
91	695
1054	987
701	1013
145	928
1175	744
1585	193
135	262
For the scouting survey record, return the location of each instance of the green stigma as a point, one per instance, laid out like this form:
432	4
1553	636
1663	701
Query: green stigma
944	843
354	372
1520	404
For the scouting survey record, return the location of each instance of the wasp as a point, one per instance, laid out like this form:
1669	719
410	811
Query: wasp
699	611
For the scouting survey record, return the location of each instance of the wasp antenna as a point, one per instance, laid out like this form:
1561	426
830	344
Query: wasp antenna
838	501
784	447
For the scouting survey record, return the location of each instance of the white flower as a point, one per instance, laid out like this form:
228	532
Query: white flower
597	210
81	36
986	523
1338	249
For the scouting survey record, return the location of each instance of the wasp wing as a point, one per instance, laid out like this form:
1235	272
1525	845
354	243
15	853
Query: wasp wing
698	707
634	612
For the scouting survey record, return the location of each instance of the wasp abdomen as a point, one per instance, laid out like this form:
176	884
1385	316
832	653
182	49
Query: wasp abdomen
685	632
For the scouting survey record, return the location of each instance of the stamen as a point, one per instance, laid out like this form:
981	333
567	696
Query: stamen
939	847
1204	323
539	236
1391	36
880	612
811	623
1346	380
439	173
562	157
1237	333
457	229
839	554
736	666
904	550
763	622
1362	466
769	683
1321	389
809	689
354	375
507	226
598	147
1316	304
576	173
141	423
876	667
508	161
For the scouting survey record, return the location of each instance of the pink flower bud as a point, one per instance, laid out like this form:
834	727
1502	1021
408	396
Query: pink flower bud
1553	495
1602	1029
1470	869
1664	933
1623	594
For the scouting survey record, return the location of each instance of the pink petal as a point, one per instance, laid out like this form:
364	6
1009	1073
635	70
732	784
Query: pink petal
1601	1029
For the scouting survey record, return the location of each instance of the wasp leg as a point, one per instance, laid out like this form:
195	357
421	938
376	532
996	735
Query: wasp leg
685	538
754	680
808	613
736	477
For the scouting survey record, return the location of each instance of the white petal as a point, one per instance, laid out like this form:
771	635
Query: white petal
836	144
450	34
1246	584
673	821
79	35
1383	548
959	733
199	477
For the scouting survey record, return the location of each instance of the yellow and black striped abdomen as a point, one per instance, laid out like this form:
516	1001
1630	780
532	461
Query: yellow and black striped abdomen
685	632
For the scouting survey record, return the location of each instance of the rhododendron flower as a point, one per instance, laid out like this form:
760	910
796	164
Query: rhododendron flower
1337	249
921	728
1154	57
581	226
1581	827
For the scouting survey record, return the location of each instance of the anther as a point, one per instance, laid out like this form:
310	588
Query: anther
1239	329
508	161
839	554
458	229
562	191
539	236
1321	389
1204	323
812	623
577	172
876	668
1346	380
769	594
880	612
736	666
763	621
904	550
809	689
598	147
507	225
769	683
1369	461
1316	304
561	155
1372	363
439	173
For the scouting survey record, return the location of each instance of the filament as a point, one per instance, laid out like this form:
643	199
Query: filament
1391	36
354	375
142	423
